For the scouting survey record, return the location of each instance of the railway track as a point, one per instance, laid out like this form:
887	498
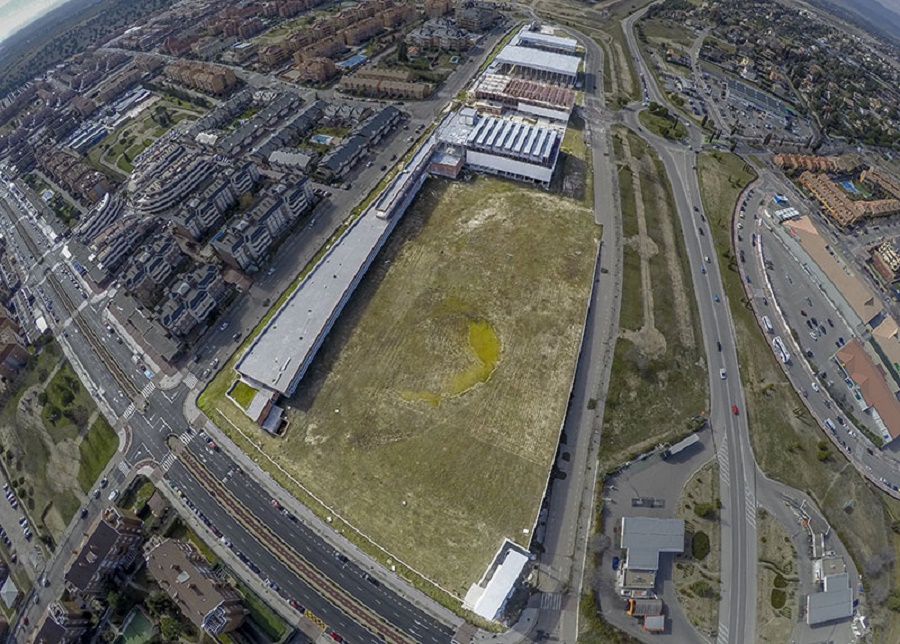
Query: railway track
329	590
102	353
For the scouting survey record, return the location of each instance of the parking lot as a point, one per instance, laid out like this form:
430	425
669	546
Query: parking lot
648	487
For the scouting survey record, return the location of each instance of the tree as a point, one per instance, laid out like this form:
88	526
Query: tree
169	628
402	52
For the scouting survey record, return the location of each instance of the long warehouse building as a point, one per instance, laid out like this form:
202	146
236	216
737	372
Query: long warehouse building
278	358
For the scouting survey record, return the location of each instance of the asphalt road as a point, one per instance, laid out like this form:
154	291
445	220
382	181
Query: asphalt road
737	612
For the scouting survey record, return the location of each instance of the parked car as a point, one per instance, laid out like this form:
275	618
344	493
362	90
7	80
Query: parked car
615	563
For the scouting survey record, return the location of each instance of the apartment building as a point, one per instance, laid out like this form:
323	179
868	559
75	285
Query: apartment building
212	79
63	623
476	15
439	33
110	544
317	70
438	8
377	87
192	300
210	603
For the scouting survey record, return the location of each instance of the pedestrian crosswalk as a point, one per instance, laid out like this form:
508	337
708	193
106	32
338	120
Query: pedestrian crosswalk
148	389
551	601
124	467
129	412
168	461
186	437
722	458
190	380
723	634
751	509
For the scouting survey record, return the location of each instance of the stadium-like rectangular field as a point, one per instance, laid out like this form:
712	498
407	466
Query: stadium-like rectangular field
430	416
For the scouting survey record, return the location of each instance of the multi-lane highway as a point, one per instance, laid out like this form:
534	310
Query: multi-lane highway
737	472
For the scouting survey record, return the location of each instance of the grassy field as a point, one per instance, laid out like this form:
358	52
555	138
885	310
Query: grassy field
42	431
98	446
661	31
783	435
438	444
777	574
668	128
658	381
696	578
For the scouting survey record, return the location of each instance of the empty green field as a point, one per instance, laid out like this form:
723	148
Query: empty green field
430	416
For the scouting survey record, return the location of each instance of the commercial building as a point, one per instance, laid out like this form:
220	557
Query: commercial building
526	96
532	37
111	544
488	597
876	398
644	540
211	604
835	600
527	62
502	146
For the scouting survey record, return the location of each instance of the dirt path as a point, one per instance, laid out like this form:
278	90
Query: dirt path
648	338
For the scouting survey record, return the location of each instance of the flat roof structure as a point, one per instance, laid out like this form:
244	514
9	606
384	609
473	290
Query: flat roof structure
539	39
487	600
855	291
646	537
544	61
282	352
834	603
872	385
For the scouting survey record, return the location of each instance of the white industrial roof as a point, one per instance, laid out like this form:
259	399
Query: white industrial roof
547	39
646	537
282	350
488	602
546	61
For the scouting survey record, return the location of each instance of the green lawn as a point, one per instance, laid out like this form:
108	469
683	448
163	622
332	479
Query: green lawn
98	446
670	128
243	393
68	405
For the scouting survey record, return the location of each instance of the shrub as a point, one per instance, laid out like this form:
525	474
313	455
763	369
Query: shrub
779	597
700	546
780	582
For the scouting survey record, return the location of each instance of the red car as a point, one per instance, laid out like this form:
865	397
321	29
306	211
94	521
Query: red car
275	504
734	410
336	637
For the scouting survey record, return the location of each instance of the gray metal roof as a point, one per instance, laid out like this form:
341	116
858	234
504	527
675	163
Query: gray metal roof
829	606
547	39
646	537
546	61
